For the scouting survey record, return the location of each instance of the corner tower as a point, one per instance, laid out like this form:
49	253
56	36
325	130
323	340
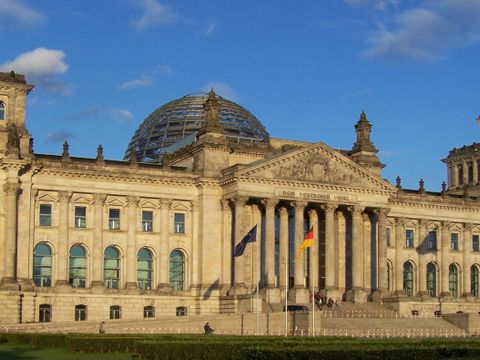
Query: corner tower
364	152
15	140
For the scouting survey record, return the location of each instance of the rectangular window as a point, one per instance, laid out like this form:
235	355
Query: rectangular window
409	238
179	223
114	219
476	242
470	173
80	217
388	237
432	240
454	241
147	221
45	215
460	174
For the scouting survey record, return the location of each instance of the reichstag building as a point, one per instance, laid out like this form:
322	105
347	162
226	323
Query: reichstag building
153	235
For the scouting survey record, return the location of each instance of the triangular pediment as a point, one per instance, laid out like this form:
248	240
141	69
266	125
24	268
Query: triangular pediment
316	163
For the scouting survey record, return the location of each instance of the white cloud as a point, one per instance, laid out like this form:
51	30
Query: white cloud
121	115
427	31
210	30
154	14
58	137
42	67
222	89
19	12
382	5
165	70
135	83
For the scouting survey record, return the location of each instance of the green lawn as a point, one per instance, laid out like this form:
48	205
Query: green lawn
17	351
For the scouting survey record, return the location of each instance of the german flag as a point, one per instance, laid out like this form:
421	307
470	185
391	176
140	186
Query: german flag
307	242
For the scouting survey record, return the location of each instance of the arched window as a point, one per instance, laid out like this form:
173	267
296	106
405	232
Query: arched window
45	313
453	280
77	274
177	270
80	312
2	111
42	265
111	268
474	280
115	312
408	278
432	279
144	269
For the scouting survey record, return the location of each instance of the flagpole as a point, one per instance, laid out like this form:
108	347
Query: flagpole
287	262
258	281
313	292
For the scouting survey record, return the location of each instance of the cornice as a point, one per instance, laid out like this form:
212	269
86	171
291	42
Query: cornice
304	185
435	206
115	176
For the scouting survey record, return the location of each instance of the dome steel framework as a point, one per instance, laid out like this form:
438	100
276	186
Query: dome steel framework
182	118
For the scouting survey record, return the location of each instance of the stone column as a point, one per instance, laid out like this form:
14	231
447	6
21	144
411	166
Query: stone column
284	250
196	278
226	281
450	175
269	204
357	294
239	263
367	252
382	250
331	290
9	281
163	285
314	250
465	172
300	295
299	236
455	182
399	245
422	266
131	266
466	249
62	248
98	248
444	250
475	171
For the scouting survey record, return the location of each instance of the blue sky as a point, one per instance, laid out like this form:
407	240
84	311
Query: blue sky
306	69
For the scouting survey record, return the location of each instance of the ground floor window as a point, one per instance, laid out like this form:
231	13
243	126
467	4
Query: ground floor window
432	280
149	312
474	280
115	312
80	312
453	280
408	278
45	313
181	311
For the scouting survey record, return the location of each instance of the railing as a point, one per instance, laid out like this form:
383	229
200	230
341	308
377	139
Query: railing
342	332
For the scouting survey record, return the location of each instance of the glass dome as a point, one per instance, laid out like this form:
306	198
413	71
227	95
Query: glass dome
165	128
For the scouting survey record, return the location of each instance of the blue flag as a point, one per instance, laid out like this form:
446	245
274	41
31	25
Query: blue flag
250	237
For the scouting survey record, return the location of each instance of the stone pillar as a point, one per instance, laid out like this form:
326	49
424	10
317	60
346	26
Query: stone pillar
382	289
284	251
9	281
62	248
455	176
131	266
239	261
367	252
475	171
465	172
196	278
331	290
399	245
449	175
270	204
98	248
299	284
444	250
466	249
226	281
163	285
357	294
314	250
422	266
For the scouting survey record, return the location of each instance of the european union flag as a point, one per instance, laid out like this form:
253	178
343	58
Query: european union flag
250	237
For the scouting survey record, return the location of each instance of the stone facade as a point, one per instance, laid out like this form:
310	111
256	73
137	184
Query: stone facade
95	239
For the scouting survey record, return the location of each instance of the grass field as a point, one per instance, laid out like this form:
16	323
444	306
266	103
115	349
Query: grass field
15	351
